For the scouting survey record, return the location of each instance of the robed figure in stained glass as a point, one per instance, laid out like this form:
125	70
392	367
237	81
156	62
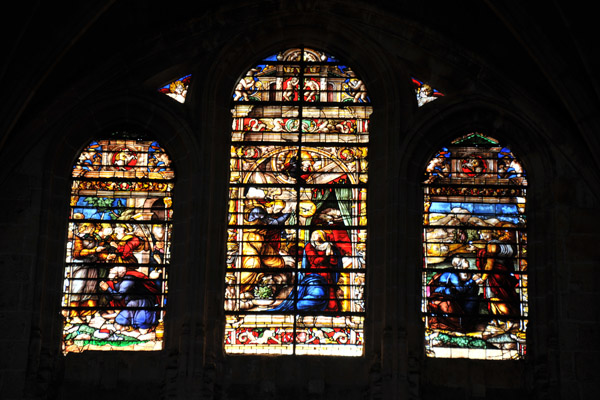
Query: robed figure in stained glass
322	265
260	246
496	264
85	246
454	298
136	295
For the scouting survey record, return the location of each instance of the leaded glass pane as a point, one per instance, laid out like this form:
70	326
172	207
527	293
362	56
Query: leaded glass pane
118	247
424	92
297	208
177	89
475	297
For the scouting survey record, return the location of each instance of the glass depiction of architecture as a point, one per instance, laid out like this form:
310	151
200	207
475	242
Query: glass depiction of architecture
474	293
297	208
118	247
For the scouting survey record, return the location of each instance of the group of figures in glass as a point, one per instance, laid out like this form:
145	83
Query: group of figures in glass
297	228
118	247
475	247
297	210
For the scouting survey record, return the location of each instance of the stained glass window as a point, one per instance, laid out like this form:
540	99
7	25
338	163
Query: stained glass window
177	89
297	208
424	92
118	247
474	290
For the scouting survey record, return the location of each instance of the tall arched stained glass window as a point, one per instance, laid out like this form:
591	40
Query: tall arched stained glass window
118	247
474	291
297	208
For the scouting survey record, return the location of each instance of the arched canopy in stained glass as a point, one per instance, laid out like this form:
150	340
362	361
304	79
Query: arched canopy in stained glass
296	247
118	246
474	286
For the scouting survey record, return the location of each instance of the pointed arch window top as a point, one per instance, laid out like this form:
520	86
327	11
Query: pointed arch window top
475	139
177	89
301	75
475	159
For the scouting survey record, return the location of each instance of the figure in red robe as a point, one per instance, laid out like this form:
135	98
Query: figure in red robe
321	268
496	262
136	295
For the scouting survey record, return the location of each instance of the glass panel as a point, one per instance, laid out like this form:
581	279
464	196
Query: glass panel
424	92
118	248
297	209
177	89
475	302
320	79
336	124
123	159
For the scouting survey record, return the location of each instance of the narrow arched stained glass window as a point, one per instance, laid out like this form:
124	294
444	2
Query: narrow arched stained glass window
475	302
118	247
297	208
